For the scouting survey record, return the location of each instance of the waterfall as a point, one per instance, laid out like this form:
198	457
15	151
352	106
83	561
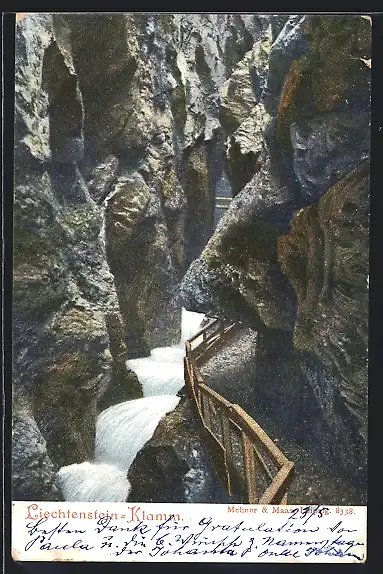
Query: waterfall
190	324
159	377
123	429
162	373
90	482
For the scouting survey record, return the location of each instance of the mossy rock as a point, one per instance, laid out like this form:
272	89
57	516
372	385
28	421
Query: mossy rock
84	221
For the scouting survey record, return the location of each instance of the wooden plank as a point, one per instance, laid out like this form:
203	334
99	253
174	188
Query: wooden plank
260	434
199	400
205	328
198	409
206	410
237	481
187	378
284	499
250	469
232	327
204	346
219	458
208	337
204	354
217	397
248	424
262	462
218	342
212	329
199	377
278	488
226	436
210	340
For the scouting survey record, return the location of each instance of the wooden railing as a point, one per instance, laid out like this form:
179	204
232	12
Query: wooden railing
246	459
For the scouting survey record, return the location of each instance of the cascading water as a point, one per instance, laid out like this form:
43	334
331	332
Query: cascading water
137	420
122	430
162	373
93	482
190	324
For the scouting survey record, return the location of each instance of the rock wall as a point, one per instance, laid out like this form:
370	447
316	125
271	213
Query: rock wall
125	127
326	258
291	254
116	130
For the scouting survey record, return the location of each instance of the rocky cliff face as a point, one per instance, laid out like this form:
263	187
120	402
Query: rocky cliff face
68	345
125	126
118	151
291	254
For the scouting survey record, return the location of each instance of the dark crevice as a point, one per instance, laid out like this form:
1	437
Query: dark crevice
65	108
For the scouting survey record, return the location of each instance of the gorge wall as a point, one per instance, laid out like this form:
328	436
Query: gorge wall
116	137
124	127
290	258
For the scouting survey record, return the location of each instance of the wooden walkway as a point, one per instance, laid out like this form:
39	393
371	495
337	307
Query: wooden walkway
248	462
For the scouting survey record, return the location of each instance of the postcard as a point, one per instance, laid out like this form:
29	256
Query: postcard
190	287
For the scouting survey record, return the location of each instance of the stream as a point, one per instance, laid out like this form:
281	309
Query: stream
123	429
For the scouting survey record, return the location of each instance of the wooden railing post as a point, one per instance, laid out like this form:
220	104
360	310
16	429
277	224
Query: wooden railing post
226	436
250	469
206	411
188	380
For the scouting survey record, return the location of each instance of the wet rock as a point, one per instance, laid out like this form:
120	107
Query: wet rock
200	202
290	45
102	178
146	287
326	258
291	224
210	47
33	35
341	422
326	148
330	76
164	475
63	289
33	473
174	207
174	465
237	96
243	116
238	273
242	91
246	150
109	89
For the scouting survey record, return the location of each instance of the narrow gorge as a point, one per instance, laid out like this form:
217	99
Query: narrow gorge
171	169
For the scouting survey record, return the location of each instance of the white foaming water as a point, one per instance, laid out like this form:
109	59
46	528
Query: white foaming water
162	373
190	324
123	429
159	377
89	482
168	354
